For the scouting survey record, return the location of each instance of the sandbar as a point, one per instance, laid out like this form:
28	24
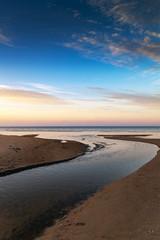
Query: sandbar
19	153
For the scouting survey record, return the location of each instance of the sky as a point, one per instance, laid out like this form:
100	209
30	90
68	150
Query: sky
79	63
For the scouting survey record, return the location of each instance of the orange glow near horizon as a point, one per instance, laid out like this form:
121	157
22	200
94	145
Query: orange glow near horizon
31	116
28	108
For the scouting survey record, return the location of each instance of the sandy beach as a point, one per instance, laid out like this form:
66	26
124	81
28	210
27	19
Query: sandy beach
126	209
19	153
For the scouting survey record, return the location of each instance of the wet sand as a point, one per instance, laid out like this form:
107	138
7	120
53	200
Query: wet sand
19	153
126	209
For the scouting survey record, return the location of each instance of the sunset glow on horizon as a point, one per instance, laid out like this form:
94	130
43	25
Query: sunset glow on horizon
80	63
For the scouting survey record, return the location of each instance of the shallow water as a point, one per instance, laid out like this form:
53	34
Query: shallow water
31	199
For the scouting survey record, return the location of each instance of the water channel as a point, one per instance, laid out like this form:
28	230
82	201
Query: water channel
32	199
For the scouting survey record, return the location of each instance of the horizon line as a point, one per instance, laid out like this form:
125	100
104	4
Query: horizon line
59	126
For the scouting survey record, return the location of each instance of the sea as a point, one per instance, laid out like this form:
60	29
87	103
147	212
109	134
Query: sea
78	133
136	129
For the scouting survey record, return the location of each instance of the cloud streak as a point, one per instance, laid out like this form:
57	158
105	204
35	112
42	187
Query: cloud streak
103	48
5	40
49	89
137	99
128	32
20	96
135	13
157	82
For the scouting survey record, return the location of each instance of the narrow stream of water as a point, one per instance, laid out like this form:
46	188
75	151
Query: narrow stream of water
30	200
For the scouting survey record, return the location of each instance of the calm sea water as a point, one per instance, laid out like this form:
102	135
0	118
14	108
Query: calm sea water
146	129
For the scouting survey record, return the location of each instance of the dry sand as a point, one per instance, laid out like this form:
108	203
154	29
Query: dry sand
124	210
23	152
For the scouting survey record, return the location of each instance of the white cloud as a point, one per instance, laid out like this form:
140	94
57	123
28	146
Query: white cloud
140	99
154	34
49	89
130	36
91	21
115	35
21	96
135	13
92	32
106	48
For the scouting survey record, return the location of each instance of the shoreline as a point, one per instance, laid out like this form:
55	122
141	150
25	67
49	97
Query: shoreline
19	153
126	209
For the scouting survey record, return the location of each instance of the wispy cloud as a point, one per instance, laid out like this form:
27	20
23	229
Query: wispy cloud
5	40
157	82
134	13
13	95
76	14
133	33
105	48
154	34
138	99
92	21
48	89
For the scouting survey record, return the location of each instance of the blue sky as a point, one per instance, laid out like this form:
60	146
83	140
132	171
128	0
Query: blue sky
97	59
